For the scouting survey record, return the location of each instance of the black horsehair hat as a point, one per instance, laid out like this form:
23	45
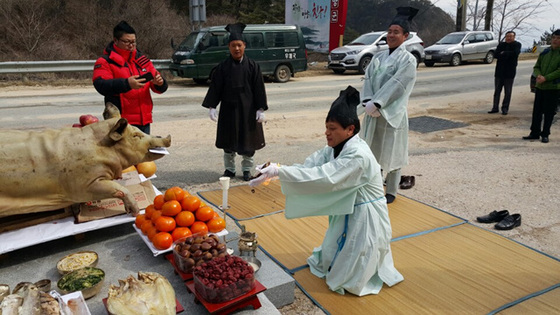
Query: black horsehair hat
343	109
403	17
235	31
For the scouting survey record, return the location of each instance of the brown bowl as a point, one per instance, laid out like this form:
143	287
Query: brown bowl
77	261
43	285
73	281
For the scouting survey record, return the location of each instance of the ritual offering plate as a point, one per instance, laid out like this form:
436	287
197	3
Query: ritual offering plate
77	261
192	251
89	280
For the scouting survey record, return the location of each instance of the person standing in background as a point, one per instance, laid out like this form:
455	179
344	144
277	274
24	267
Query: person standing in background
388	82
507	54
237	84
125	77
547	90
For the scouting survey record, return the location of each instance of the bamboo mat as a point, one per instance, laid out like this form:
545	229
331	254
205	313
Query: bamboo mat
449	265
245	204
459	270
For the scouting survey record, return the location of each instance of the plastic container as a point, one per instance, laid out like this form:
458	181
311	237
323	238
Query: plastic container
214	291
194	250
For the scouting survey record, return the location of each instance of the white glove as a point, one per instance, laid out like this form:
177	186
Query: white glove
267	173
213	114
371	109
260	116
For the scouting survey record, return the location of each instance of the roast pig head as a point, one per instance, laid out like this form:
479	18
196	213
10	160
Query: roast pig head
55	168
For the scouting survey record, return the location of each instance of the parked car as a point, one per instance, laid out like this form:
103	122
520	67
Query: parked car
357	54
278	49
454	48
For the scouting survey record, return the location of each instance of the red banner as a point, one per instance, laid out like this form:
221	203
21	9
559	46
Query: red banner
337	23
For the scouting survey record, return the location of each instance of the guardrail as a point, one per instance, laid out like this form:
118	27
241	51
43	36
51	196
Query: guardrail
61	66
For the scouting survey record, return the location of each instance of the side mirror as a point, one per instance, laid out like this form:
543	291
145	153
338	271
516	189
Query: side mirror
381	42
173	44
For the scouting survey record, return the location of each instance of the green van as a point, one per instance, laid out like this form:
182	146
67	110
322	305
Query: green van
278	49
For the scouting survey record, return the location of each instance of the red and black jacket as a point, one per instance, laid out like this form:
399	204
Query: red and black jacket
110	79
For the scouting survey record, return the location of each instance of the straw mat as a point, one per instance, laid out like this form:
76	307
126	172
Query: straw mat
459	270
245	204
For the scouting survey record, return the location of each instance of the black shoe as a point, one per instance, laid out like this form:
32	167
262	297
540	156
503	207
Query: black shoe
390	198
544	139
509	222
246	176
494	216
229	174
407	182
493	111
531	137
504	113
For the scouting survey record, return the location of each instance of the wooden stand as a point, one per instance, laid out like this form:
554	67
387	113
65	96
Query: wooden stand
248	299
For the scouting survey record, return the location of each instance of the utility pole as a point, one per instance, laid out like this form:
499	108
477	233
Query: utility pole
197	12
488	17
461	15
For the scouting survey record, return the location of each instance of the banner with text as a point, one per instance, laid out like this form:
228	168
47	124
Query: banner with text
338	22
313	17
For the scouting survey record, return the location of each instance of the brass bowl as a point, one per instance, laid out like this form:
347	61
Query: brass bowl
77	261
43	285
75	277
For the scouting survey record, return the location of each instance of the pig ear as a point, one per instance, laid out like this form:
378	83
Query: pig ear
111	111
116	133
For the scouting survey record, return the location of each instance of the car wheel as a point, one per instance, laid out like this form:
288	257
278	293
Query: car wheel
364	63
282	74
455	60
489	57
338	71
429	63
200	81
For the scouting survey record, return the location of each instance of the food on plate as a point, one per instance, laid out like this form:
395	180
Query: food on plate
151	293
77	261
162	240
11	304
49	305
199	227
204	213
88	280
223	279
148	169
196	249
190	203
171	208
216	224
174	193
31	303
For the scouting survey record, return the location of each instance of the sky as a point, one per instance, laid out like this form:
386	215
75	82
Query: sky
543	21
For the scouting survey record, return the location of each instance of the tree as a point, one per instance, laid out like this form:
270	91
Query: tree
514	15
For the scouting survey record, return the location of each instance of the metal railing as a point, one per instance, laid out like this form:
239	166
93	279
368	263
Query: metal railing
23	67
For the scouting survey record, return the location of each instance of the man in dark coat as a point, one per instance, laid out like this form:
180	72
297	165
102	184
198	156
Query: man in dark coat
237	84
506	66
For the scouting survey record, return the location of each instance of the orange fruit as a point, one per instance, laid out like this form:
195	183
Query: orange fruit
199	227
171	208
181	232
165	224
148	169
216	224
174	193
140	219
204	213
149	211
162	240
155	216
158	202
152	232
185	218
146	226
129	169
190	203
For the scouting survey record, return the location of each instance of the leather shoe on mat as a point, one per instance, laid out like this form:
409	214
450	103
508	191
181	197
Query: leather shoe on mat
229	174
544	139
531	137
390	198
246	176
494	216
509	222
407	182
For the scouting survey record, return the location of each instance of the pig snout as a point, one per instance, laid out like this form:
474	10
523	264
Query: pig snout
161	142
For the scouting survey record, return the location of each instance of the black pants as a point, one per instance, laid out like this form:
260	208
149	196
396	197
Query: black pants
507	85
145	129
545	104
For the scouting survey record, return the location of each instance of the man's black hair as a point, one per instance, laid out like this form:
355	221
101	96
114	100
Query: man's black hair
121	29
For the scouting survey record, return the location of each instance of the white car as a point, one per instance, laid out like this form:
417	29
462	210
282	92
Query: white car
357	54
454	48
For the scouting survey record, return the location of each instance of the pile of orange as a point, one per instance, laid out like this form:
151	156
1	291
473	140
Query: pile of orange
177	214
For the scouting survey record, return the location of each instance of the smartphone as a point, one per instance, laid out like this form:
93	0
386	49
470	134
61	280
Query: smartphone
148	76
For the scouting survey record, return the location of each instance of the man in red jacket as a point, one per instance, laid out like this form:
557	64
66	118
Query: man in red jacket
125	76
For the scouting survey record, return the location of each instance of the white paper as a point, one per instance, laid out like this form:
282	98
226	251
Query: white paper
159	150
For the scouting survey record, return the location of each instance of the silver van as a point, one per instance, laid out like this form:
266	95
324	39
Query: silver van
357	54
454	48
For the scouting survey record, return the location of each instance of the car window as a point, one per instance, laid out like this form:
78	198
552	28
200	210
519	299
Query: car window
282	39
489	36
212	40
365	39
254	41
451	39
471	38
480	38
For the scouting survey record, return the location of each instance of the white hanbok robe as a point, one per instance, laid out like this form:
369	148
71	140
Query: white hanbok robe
351	186
389	80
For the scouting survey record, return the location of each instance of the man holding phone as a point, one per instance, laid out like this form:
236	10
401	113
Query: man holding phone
125	77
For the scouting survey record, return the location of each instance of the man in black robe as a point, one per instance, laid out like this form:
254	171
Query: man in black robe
237	84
